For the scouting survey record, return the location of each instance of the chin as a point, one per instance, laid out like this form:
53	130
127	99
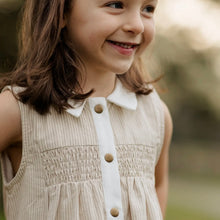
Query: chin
121	69
122	72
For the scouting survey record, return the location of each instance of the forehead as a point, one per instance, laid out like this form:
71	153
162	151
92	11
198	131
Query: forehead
88	6
109	1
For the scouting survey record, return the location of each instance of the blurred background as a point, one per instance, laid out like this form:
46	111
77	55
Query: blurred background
187	50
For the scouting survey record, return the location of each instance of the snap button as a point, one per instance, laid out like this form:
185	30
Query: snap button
114	212
109	158
98	109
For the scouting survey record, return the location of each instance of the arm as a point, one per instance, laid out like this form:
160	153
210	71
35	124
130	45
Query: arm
161	171
10	121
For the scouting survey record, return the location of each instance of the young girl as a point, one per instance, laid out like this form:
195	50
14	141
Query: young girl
82	135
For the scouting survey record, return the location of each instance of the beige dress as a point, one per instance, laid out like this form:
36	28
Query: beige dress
95	161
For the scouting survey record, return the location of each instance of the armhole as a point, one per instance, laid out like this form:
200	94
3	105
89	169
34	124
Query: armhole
9	180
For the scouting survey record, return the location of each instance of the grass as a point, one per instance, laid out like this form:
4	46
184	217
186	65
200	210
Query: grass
194	192
181	213
193	198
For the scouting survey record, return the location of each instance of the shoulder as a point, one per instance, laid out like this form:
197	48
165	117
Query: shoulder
164	118
168	124
10	118
167	116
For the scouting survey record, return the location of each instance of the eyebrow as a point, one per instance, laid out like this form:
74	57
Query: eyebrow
152	1
149	1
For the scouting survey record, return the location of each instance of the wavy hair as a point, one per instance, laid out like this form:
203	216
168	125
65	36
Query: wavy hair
48	66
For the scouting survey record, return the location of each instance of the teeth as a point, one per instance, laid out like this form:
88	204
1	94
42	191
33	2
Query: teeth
123	45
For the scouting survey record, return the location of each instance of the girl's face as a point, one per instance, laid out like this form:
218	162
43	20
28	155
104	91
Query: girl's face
109	34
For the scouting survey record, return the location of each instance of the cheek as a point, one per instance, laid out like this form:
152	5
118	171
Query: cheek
92	37
99	32
148	37
149	33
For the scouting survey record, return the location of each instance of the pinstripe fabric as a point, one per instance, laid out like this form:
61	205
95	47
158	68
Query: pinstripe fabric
60	176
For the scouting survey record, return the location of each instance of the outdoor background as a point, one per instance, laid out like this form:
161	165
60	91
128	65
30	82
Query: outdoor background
187	50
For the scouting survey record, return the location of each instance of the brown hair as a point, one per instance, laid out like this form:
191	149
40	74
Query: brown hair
47	64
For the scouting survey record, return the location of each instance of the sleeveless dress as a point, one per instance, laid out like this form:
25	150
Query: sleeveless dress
94	161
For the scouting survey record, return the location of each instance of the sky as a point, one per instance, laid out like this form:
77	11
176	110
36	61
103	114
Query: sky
200	17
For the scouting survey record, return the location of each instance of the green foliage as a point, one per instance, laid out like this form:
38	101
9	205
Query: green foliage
193	86
192	79
2	217
180	213
191	75
8	6
8	41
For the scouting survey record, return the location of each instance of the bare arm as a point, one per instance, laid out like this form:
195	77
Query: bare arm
10	121
161	171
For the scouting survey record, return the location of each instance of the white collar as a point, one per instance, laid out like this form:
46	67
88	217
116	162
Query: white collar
120	96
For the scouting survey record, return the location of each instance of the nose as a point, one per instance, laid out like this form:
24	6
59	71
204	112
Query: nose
134	23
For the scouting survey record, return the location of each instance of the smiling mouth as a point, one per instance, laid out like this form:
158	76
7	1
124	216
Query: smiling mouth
124	45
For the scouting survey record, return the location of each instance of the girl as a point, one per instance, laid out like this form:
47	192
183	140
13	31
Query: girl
82	135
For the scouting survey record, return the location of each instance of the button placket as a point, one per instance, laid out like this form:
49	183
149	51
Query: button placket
109	158
98	109
114	212
109	163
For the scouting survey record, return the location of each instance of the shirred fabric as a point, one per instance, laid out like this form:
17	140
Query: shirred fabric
60	176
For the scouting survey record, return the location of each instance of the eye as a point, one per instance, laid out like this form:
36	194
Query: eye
118	5
149	9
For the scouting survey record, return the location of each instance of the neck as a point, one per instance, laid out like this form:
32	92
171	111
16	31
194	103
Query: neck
102	83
